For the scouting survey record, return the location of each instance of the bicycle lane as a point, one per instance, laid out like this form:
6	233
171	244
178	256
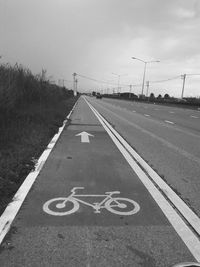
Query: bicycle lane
86	238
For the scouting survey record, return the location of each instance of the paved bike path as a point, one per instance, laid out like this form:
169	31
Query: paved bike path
86	238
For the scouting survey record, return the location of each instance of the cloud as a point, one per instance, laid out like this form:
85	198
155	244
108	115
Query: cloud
100	37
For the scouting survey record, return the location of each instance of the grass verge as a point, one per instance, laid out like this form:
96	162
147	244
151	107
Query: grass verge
26	134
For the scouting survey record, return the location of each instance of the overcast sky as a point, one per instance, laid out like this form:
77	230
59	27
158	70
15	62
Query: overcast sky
96	38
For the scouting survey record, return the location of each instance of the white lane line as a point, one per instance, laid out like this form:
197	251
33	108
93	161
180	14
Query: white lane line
170	122
171	112
195	117
163	141
13	207
133	111
146	115
186	234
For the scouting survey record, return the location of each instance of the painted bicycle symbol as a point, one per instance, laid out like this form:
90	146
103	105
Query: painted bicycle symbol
67	205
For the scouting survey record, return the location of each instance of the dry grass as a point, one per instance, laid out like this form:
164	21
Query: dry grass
31	111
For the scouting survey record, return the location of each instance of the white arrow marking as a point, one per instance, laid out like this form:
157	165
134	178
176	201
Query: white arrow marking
84	137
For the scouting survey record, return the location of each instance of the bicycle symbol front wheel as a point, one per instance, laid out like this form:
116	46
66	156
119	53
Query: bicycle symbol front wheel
122	206
61	206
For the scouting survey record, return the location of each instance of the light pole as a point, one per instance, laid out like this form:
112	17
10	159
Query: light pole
147	93
183	77
145	66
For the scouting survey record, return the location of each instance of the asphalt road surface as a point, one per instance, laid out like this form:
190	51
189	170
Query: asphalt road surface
168	138
51	231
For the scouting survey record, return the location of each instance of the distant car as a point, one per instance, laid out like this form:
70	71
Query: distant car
98	95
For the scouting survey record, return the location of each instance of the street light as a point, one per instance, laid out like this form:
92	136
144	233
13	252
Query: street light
118	75
145	66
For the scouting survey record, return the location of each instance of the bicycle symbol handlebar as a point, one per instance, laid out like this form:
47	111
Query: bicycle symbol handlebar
75	188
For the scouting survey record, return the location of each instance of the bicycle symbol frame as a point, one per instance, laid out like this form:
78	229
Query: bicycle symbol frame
115	205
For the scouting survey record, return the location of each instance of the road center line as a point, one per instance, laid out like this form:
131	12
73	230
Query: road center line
195	117
160	139
147	115
169	122
187	235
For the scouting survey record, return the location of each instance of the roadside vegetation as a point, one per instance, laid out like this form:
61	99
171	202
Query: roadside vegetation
31	111
190	102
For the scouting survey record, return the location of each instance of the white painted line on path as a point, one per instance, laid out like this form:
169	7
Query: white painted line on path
133	111
170	122
13	207
186	234
146	115
172	112
195	117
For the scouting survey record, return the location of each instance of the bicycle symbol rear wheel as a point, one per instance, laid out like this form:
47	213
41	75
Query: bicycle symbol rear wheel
120	205
58	206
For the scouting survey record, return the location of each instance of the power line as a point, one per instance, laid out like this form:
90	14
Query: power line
68	81
127	85
169	79
106	82
192	74
95	80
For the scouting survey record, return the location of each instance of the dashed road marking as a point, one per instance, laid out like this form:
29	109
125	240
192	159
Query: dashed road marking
195	117
146	115
171	112
171	122
187	235
133	111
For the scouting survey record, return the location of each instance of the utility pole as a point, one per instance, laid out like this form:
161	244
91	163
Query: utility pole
118	81
76	87
130	90
75	81
183	77
147	93
43	75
